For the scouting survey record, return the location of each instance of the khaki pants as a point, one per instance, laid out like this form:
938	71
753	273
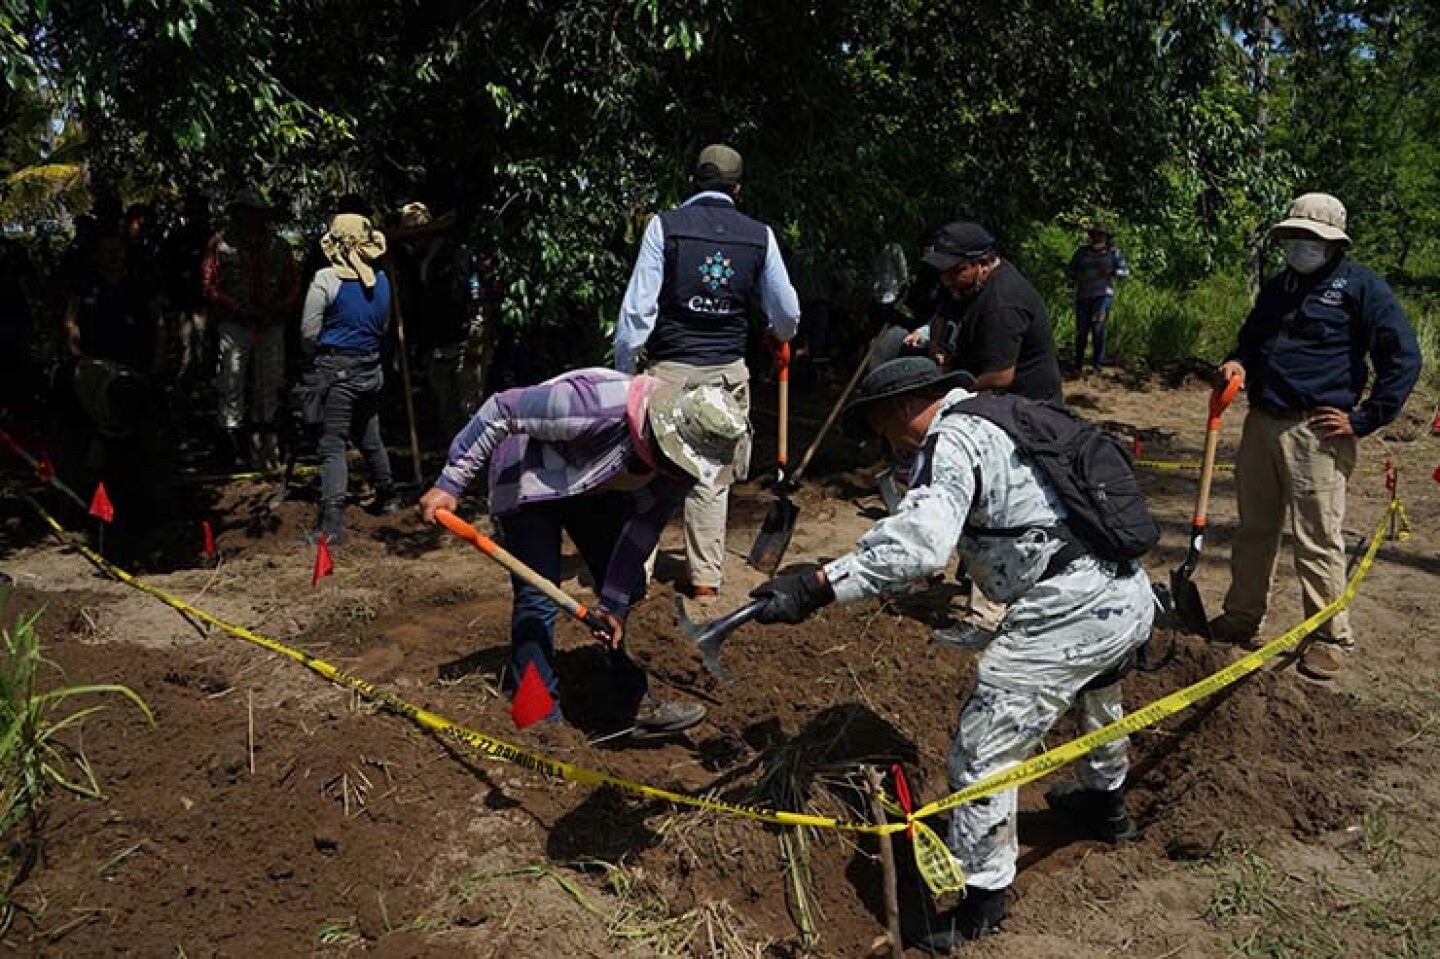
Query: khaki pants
706	506
1283	464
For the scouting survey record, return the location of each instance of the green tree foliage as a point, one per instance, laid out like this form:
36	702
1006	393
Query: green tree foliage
556	129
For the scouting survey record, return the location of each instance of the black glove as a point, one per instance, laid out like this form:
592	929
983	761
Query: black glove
793	597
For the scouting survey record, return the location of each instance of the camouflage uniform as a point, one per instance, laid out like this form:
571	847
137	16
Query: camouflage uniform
1061	631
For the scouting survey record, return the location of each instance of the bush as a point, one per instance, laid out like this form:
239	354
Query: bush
1151	327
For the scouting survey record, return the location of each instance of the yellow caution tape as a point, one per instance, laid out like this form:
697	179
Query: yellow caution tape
1402	520
938	867
1162	708
489	746
1178	465
299	470
936	863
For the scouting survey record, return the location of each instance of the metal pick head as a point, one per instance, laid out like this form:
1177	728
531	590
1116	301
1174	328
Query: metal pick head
690	629
710	636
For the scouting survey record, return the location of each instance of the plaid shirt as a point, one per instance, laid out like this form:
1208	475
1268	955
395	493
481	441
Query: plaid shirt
567	437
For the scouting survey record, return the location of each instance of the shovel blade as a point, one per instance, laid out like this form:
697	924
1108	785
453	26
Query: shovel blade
1189	607
774	537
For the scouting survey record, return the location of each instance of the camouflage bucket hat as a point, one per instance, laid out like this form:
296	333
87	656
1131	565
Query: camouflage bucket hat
701	430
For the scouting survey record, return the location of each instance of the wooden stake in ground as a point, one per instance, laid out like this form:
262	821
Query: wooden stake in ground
399	315
875	781
250	726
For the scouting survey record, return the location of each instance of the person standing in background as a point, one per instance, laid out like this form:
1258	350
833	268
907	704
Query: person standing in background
1301	358
347	312
1093	270
688	308
251	283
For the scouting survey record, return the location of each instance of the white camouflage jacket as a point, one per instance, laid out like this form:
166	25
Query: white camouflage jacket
917	540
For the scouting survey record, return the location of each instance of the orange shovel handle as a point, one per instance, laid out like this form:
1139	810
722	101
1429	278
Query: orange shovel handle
1220	398
782	363
513	563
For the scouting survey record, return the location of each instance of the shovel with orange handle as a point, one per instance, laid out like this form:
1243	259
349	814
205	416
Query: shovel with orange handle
779	524
1188	604
593	620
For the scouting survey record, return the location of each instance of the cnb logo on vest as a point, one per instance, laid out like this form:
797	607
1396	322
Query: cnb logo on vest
715	273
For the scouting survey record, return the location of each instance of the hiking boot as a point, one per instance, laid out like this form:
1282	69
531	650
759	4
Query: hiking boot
1228	628
979	914
965	634
656	717
386	502
1322	660
1100	813
331	524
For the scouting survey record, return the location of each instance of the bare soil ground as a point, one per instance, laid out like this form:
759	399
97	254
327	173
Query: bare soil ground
1283	818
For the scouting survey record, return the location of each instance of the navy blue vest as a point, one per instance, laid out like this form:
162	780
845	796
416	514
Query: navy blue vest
355	320
714	255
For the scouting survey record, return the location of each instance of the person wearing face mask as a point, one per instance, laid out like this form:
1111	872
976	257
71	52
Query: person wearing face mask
990	322
1301	357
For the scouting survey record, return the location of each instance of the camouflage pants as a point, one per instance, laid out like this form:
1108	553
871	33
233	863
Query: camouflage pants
1056	639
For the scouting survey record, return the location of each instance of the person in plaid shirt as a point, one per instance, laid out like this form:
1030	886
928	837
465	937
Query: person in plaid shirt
605	457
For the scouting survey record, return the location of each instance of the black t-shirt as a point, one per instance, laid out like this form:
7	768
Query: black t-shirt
1002	325
117	321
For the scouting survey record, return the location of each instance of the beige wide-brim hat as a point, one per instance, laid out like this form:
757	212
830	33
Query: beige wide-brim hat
702	430
1316	214
352	246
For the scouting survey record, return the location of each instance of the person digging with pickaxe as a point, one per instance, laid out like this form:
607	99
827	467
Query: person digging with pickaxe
1072	628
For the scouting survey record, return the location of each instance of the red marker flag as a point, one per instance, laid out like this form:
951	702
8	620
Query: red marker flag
45	469
902	792
100	506
324	565
209	547
532	701
1436	474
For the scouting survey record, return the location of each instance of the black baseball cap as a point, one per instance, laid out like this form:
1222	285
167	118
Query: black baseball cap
958	242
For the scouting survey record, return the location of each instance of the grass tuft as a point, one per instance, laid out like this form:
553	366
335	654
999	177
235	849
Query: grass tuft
39	750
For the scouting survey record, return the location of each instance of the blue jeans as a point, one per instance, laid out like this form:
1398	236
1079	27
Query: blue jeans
1090	316
533	535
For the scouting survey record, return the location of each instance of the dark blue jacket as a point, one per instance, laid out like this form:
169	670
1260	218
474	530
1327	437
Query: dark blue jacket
1305	342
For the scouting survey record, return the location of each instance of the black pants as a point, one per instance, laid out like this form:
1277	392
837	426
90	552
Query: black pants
533	535
351	409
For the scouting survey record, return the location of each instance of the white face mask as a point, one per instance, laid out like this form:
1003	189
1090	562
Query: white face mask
1306	256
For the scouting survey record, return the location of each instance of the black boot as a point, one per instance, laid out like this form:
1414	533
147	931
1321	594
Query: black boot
979	914
386	501
1101	814
331	524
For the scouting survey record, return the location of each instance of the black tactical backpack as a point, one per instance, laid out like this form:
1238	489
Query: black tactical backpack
1088	469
